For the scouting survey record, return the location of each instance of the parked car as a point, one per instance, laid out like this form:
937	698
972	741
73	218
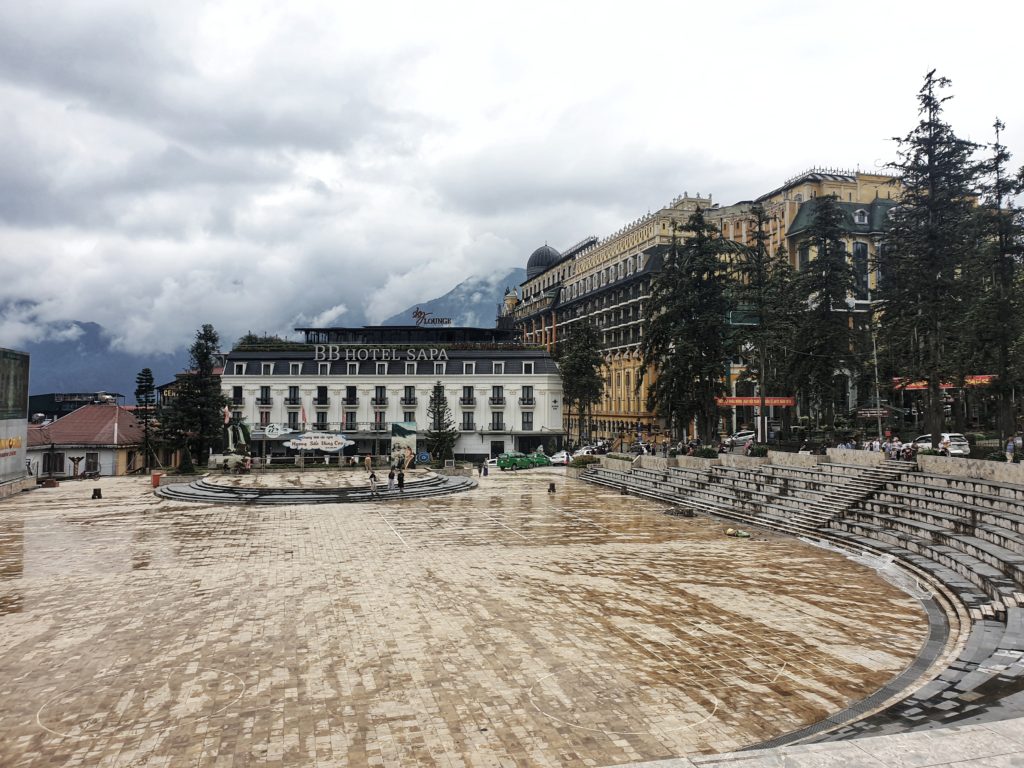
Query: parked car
958	445
740	439
587	450
513	460
561	458
539	459
492	463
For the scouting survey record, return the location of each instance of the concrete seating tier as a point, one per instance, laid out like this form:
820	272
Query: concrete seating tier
966	534
206	492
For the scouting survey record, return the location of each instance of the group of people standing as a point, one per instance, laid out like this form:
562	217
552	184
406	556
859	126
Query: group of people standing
396	480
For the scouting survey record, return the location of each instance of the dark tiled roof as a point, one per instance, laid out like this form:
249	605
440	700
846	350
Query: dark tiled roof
89	425
877	211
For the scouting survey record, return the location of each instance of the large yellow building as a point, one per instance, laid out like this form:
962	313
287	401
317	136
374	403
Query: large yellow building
607	282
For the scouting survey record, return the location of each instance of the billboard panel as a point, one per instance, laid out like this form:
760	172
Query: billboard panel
13	414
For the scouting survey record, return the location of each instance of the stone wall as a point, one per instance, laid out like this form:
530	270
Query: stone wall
619	465
995	471
783	459
694	462
744	462
17	486
859	458
654	462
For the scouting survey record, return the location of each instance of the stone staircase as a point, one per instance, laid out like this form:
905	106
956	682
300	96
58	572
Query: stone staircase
208	492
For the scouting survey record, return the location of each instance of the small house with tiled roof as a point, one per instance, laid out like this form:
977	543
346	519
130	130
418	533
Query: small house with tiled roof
103	438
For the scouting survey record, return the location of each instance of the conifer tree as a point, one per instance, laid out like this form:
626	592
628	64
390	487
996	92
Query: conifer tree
579	363
145	401
193	419
687	335
442	433
824	343
996	317
931	234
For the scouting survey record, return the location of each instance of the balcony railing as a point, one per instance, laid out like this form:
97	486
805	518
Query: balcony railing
350	400
321	401
467	401
293	401
496	426
468	426
264	400
379	401
527	401
238	401
496	400
409	401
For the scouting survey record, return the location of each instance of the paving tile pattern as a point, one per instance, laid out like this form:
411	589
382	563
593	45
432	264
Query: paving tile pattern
501	627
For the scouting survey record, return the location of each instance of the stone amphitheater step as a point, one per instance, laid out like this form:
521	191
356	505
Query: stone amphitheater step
207	492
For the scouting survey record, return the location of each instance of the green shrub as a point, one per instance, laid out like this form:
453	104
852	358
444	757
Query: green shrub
996	456
928	452
758	451
706	453
582	461
621	456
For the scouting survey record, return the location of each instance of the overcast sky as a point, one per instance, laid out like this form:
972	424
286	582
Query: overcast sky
266	165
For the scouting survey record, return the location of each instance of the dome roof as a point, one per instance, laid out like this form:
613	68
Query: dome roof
540	260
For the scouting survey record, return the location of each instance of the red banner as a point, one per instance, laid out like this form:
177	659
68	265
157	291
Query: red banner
727	401
970	381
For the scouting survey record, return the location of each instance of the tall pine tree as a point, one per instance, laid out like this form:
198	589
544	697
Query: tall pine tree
145	402
825	344
193	419
931	235
441	432
687	336
579	363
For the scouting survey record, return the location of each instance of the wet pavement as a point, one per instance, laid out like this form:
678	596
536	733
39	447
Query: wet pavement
503	626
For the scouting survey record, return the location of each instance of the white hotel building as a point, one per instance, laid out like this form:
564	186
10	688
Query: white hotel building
502	394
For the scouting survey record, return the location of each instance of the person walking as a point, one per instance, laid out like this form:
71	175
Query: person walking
391	479
368	463
373	483
401	480
1011	446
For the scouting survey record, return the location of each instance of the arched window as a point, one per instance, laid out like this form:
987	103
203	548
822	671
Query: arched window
860	216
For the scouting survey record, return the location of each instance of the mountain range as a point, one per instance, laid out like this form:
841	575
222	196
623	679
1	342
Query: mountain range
88	364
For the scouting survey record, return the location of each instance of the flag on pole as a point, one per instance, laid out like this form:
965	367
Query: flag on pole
227	415
302	411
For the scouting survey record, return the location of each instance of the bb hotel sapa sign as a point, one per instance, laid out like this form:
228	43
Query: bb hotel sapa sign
335	352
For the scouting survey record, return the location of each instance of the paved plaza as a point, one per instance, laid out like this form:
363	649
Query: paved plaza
504	626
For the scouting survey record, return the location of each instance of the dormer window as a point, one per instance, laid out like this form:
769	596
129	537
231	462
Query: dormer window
860	216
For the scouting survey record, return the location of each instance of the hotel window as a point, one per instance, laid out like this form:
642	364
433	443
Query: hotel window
469	369
467	421
527	398
438	369
293	395
467	396
382	369
499	369
350	421
264	395
294	369
239	369
267	369
497	422
293	419
410	369
350	395
92	462
497	395
409	416
380	395
264	418
860	216
323	369
527	421
236	395
528	369
378	421
321	419
353	369
321	396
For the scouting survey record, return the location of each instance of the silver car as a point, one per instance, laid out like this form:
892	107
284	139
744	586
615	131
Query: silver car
952	443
